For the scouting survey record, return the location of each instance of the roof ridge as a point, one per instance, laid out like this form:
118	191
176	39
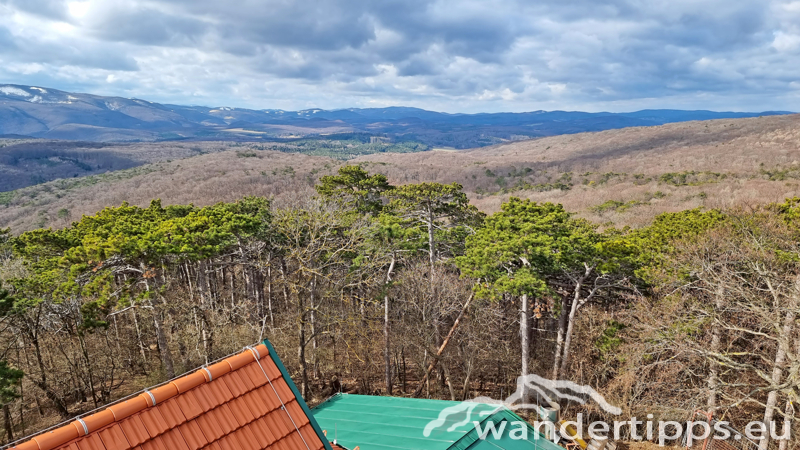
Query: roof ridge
60	434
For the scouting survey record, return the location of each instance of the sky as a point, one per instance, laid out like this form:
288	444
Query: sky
444	55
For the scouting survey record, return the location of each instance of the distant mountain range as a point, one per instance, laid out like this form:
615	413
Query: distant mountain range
53	114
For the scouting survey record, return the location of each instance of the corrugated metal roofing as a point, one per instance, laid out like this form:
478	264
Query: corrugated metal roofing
244	402
391	423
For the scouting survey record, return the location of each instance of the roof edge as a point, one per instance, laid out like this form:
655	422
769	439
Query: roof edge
300	400
64	432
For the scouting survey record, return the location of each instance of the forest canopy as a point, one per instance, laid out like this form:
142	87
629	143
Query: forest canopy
406	290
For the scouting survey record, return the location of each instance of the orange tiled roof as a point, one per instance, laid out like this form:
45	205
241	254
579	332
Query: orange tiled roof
237	404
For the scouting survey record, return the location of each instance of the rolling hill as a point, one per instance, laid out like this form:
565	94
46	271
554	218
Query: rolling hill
621	177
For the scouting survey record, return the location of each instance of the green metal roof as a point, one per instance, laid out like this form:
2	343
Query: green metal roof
387	423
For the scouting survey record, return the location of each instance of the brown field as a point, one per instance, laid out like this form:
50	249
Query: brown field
624	177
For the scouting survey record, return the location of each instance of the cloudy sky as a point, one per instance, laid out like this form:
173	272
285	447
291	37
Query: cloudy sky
446	55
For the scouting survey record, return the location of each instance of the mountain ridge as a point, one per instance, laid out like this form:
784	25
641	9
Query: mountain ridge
54	114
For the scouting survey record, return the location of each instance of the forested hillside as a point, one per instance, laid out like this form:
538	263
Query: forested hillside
27	162
622	177
369	287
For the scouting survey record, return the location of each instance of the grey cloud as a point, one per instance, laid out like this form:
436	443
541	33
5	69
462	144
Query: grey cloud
46	8
457	52
146	26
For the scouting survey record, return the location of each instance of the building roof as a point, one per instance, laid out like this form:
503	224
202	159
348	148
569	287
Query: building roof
390	423
244	402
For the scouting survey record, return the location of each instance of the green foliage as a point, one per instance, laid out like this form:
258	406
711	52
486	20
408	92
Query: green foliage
10	379
691	178
616	205
519	246
355	188
442	211
62	213
7	197
657	240
81	259
345	146
609	341
6	302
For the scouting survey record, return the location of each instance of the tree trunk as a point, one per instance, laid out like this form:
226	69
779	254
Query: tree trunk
387	362
788	412
573	312
42	383
524	319
139	339
432	365
163	347
715	347
568	335
777	374
269	292
562	330
9	425
301	354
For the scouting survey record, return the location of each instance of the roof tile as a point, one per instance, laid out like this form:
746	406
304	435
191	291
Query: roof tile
224	417
241	360
220	391
276	422
211	428
113	438
171	412
134	430
128	408
204	400
53	438
193	435
284	393
230	405
255	374
189	381
241	412
229	442
266	396
297	413
173	440
155	444
154	421
91	442
262	432
272	370
247	439
189	406
238	384
255	404
162	393
311	437
96	421
219	369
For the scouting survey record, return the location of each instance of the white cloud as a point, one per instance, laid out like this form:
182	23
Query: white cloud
450	55
784	42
